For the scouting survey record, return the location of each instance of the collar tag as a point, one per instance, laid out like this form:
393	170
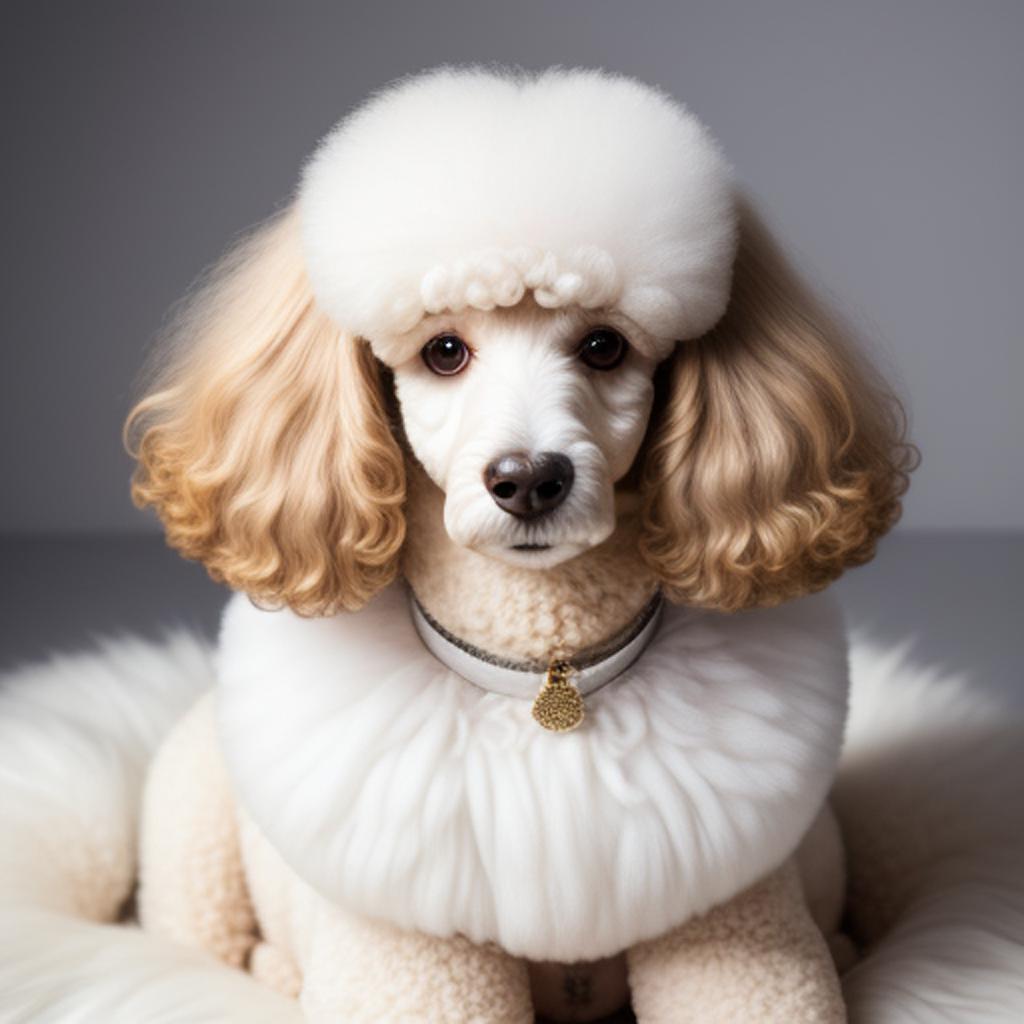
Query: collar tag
558	706
558	703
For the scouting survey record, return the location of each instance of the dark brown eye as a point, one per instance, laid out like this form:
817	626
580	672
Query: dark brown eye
603	349
447	354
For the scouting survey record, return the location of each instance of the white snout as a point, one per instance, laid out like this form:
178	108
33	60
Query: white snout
526	392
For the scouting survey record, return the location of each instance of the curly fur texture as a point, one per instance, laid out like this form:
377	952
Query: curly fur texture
266	444
777	457
774	457
514	611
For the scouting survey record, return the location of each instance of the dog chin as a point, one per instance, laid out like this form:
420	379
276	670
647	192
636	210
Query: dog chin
540	551
534	556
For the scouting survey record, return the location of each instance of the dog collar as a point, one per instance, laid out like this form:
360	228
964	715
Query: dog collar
558	687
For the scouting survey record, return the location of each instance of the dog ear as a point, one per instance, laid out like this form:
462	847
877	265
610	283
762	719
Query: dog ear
264	443
776	456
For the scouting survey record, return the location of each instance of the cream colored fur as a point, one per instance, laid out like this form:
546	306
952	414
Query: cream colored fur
313	860
499	608
759	957
399	790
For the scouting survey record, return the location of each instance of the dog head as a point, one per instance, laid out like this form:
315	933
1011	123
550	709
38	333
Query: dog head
547	290
526	418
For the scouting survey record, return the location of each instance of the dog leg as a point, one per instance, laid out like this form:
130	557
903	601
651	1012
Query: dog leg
367	972
192	882
757	959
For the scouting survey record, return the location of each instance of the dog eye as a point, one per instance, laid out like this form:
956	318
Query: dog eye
603	349
446	355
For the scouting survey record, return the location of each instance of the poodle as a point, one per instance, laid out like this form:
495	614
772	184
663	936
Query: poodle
530	458
518	343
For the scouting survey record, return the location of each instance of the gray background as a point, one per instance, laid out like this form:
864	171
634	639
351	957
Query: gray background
881	138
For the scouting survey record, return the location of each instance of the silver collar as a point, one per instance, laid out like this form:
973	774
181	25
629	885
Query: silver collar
591	669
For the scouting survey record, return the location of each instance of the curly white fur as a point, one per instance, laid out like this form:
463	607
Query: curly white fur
463	187
585	276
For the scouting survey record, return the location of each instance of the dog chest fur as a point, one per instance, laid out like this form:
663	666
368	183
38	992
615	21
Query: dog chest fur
401	791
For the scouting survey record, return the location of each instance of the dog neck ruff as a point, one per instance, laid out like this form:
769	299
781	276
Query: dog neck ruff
556	688
398	789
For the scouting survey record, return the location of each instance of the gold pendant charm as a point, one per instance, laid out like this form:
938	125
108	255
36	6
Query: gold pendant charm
558	706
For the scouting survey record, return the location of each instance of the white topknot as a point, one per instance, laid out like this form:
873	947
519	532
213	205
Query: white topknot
470	187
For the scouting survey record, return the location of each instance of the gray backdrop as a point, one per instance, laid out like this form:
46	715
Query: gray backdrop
882	138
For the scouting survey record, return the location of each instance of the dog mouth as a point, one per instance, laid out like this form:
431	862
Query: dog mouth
534	555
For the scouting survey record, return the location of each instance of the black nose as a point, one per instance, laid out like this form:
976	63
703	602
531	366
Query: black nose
527	486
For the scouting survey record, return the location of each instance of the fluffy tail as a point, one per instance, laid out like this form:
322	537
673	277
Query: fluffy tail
76	735
930	797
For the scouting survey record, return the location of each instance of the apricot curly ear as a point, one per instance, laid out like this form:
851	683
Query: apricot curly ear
264	444
777	456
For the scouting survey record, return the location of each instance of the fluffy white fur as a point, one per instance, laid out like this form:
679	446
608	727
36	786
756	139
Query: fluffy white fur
402	216
76	734
931	797
526	390
404	792
76	737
